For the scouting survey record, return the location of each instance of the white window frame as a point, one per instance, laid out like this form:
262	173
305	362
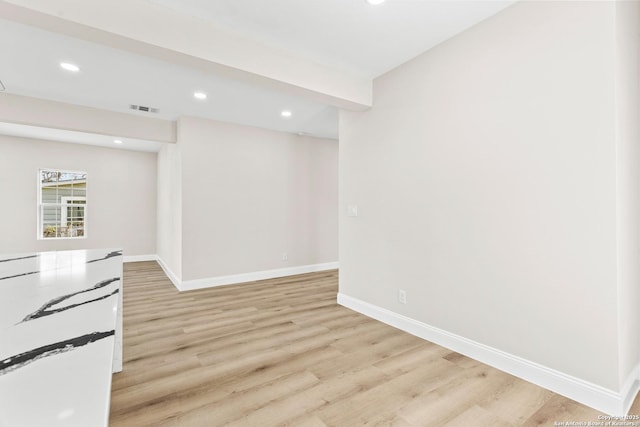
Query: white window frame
63	203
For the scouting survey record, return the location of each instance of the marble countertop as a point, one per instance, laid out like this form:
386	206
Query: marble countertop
60	337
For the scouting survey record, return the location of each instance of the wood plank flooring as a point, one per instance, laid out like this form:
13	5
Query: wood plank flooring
282	353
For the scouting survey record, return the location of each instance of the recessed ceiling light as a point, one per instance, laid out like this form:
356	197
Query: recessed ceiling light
200	95
286	113
117	141
375	1
70	67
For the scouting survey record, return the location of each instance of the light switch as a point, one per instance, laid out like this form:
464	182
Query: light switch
352	210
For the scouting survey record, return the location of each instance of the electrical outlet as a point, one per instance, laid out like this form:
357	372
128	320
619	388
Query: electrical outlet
285	256
402	296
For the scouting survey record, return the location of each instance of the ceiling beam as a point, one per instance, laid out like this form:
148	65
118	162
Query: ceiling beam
24	110
145	28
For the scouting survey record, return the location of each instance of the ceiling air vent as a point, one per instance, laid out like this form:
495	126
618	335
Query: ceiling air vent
143	108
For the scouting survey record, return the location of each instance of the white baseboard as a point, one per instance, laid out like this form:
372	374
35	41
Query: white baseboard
595	396
139	258
210	282
631	388
177	282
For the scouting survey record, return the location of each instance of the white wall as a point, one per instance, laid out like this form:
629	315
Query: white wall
628	196
485	176
121	196
248	195
169	232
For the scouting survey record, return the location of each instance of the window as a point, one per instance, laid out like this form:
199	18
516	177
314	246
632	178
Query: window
62	204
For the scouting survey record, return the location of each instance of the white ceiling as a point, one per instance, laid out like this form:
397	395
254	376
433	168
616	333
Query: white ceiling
113	79
346	34
349	34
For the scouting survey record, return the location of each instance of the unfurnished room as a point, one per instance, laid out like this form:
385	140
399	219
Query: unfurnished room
328	213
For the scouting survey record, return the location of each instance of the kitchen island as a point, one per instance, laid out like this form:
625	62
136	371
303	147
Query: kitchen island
60	337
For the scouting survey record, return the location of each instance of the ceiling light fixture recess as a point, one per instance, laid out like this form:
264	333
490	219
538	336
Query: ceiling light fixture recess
375	2
200	95
70	67
117	141
286	113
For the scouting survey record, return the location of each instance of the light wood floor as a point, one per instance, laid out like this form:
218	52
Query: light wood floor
282	352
